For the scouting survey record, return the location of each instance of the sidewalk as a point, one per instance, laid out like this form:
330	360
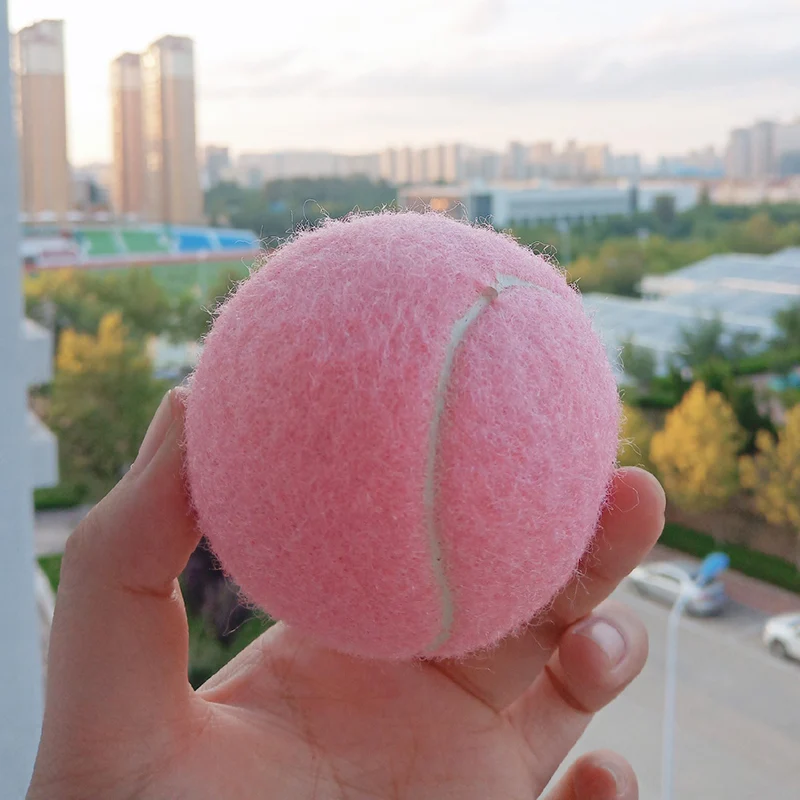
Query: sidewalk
769	600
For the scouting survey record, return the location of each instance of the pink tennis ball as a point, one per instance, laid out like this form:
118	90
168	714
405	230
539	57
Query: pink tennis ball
400	435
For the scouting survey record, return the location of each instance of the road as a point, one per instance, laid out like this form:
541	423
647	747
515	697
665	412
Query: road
738	711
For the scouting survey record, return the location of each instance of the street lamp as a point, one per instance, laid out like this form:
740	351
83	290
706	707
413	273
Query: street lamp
713	565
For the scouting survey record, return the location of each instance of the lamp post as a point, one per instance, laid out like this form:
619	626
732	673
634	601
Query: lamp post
713	565
20	664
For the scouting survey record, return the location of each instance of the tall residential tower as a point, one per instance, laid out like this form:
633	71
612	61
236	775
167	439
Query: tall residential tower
38	59
129	181
170	137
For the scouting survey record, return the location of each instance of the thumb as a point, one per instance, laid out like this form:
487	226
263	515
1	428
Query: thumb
119	643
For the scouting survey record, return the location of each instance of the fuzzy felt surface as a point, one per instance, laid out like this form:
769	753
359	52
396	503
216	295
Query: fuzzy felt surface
400	435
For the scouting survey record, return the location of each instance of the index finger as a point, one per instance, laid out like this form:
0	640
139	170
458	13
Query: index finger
629	527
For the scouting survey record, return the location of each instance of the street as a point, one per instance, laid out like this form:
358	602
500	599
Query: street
738	711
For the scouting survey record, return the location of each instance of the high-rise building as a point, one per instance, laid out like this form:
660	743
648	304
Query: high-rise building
38	59
541	158
787	149
173	192
762	153
516	162
596	159
405	165
216	165
419	166
127	118
452	163
738	159
388	165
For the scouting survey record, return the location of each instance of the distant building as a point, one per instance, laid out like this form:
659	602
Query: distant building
387	165
127	120
596	160
525	205
452	163
173	183
787	149
738	158
405	158
254	169
705	163
216	165
762	152
625	165
38	61
541	157
516	162
743	292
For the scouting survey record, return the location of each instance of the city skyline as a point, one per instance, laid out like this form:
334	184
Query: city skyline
659	80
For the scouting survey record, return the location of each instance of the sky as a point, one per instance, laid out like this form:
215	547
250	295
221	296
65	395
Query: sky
654	76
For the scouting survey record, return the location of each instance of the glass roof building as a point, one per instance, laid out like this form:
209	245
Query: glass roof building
743	291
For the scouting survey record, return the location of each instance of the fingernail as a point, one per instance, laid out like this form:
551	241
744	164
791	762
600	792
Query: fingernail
155	432
619	778
607	637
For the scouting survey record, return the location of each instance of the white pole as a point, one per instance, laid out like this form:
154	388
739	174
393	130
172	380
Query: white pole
670	698
20	658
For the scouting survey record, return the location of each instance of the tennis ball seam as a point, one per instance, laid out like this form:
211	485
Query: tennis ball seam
458	333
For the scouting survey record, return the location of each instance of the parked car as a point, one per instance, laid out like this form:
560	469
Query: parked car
666	580
782	635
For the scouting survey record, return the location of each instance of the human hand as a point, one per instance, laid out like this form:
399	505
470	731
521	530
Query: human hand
290	719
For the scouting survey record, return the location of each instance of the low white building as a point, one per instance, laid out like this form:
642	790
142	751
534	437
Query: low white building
743	291
524	204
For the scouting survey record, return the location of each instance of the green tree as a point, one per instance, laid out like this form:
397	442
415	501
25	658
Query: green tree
639	363
788	322
718	376
77	300
759	234
696	453
617	268
664	210
708	341
103	397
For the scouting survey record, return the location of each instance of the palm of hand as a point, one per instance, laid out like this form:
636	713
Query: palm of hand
288	719
312	724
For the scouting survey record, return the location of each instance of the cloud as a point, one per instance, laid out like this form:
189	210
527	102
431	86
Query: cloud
704	55
480	16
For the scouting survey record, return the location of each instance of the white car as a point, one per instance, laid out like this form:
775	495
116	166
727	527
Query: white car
782	635
666	580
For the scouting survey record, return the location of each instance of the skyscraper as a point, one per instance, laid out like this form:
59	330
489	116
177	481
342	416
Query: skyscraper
128	131
170	137
738	159
762	153
38	59
217	165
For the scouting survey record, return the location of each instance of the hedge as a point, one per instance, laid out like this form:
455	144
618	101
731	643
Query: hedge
65	495
762	566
